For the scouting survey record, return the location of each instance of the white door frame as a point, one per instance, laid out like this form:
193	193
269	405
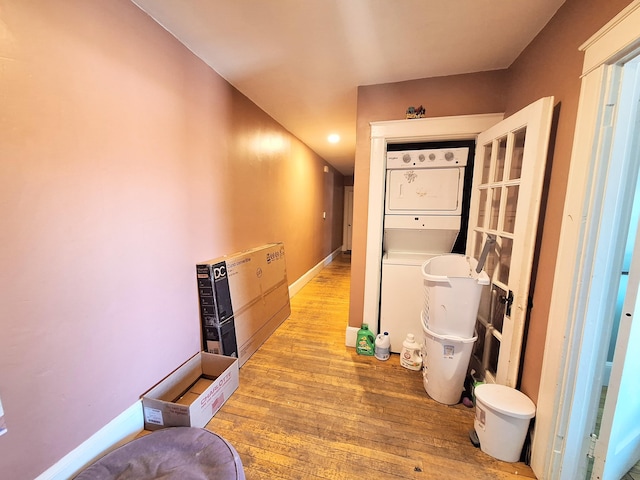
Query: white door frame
464	127
570	370
618	438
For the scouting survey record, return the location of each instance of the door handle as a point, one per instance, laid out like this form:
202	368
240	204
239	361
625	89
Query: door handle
506	301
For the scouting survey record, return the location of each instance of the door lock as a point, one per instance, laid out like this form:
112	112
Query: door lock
507	301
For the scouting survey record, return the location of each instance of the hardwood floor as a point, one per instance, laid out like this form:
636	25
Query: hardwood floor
634	473
308	407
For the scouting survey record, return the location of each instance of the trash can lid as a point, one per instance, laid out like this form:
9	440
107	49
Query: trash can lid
505	400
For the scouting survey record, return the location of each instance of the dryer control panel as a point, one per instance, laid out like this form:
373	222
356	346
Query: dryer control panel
430	158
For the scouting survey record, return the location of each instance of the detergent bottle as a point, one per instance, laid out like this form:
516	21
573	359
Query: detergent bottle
410	356
365	341
383	346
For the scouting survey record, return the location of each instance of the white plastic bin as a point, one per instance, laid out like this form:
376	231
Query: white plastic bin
445	363
452	290
502	420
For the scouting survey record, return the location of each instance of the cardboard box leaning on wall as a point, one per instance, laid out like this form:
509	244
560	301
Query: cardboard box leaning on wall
243	298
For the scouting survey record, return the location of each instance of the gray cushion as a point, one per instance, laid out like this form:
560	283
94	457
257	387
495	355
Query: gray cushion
182	453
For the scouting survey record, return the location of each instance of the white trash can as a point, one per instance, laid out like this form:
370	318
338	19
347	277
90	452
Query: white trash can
445	363
502	420
452	290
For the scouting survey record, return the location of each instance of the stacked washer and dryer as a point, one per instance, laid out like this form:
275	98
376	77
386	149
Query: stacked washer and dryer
423	218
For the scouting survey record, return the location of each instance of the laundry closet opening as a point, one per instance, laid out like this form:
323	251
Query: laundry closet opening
427	197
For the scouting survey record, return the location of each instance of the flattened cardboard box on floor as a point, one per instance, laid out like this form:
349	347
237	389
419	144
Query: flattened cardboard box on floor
244	297
192	394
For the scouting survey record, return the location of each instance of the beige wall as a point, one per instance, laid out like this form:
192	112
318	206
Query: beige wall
550	65
125	160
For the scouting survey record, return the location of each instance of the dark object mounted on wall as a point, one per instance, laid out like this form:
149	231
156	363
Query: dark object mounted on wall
413	112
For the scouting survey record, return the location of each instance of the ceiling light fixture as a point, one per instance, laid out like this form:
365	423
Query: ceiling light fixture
333	138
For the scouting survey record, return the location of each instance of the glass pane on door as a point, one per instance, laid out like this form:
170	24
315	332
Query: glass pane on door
478	347
486	163
497	312
494	351
478	242
495	208
501	159
489	267
518	150
482	209
506	247
511	208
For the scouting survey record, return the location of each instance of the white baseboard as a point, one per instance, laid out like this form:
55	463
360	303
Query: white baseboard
351	336
122	429
296	286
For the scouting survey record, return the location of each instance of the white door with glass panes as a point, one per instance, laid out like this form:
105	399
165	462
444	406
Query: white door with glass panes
508	177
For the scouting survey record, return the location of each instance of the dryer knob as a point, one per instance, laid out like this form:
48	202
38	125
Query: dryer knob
421	157
448	156
406	158
432	156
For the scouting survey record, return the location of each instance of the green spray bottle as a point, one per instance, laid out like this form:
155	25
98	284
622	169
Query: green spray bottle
365	342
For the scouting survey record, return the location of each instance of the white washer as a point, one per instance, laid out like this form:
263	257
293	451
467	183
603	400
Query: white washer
401	296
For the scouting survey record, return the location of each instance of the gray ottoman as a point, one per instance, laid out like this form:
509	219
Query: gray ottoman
180	453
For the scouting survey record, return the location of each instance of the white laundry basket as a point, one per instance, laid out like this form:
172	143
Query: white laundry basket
452	290
445	363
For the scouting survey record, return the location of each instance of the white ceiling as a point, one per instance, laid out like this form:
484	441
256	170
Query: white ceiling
302	60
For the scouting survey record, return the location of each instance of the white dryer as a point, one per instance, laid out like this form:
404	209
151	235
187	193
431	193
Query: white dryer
425	182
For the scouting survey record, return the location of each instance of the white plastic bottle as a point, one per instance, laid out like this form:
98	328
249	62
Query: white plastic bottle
383	346
410	355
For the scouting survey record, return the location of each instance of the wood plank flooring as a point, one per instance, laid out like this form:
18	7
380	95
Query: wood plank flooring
634	473
308	407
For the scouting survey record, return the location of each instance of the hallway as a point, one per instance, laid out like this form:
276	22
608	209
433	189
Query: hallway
308	407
